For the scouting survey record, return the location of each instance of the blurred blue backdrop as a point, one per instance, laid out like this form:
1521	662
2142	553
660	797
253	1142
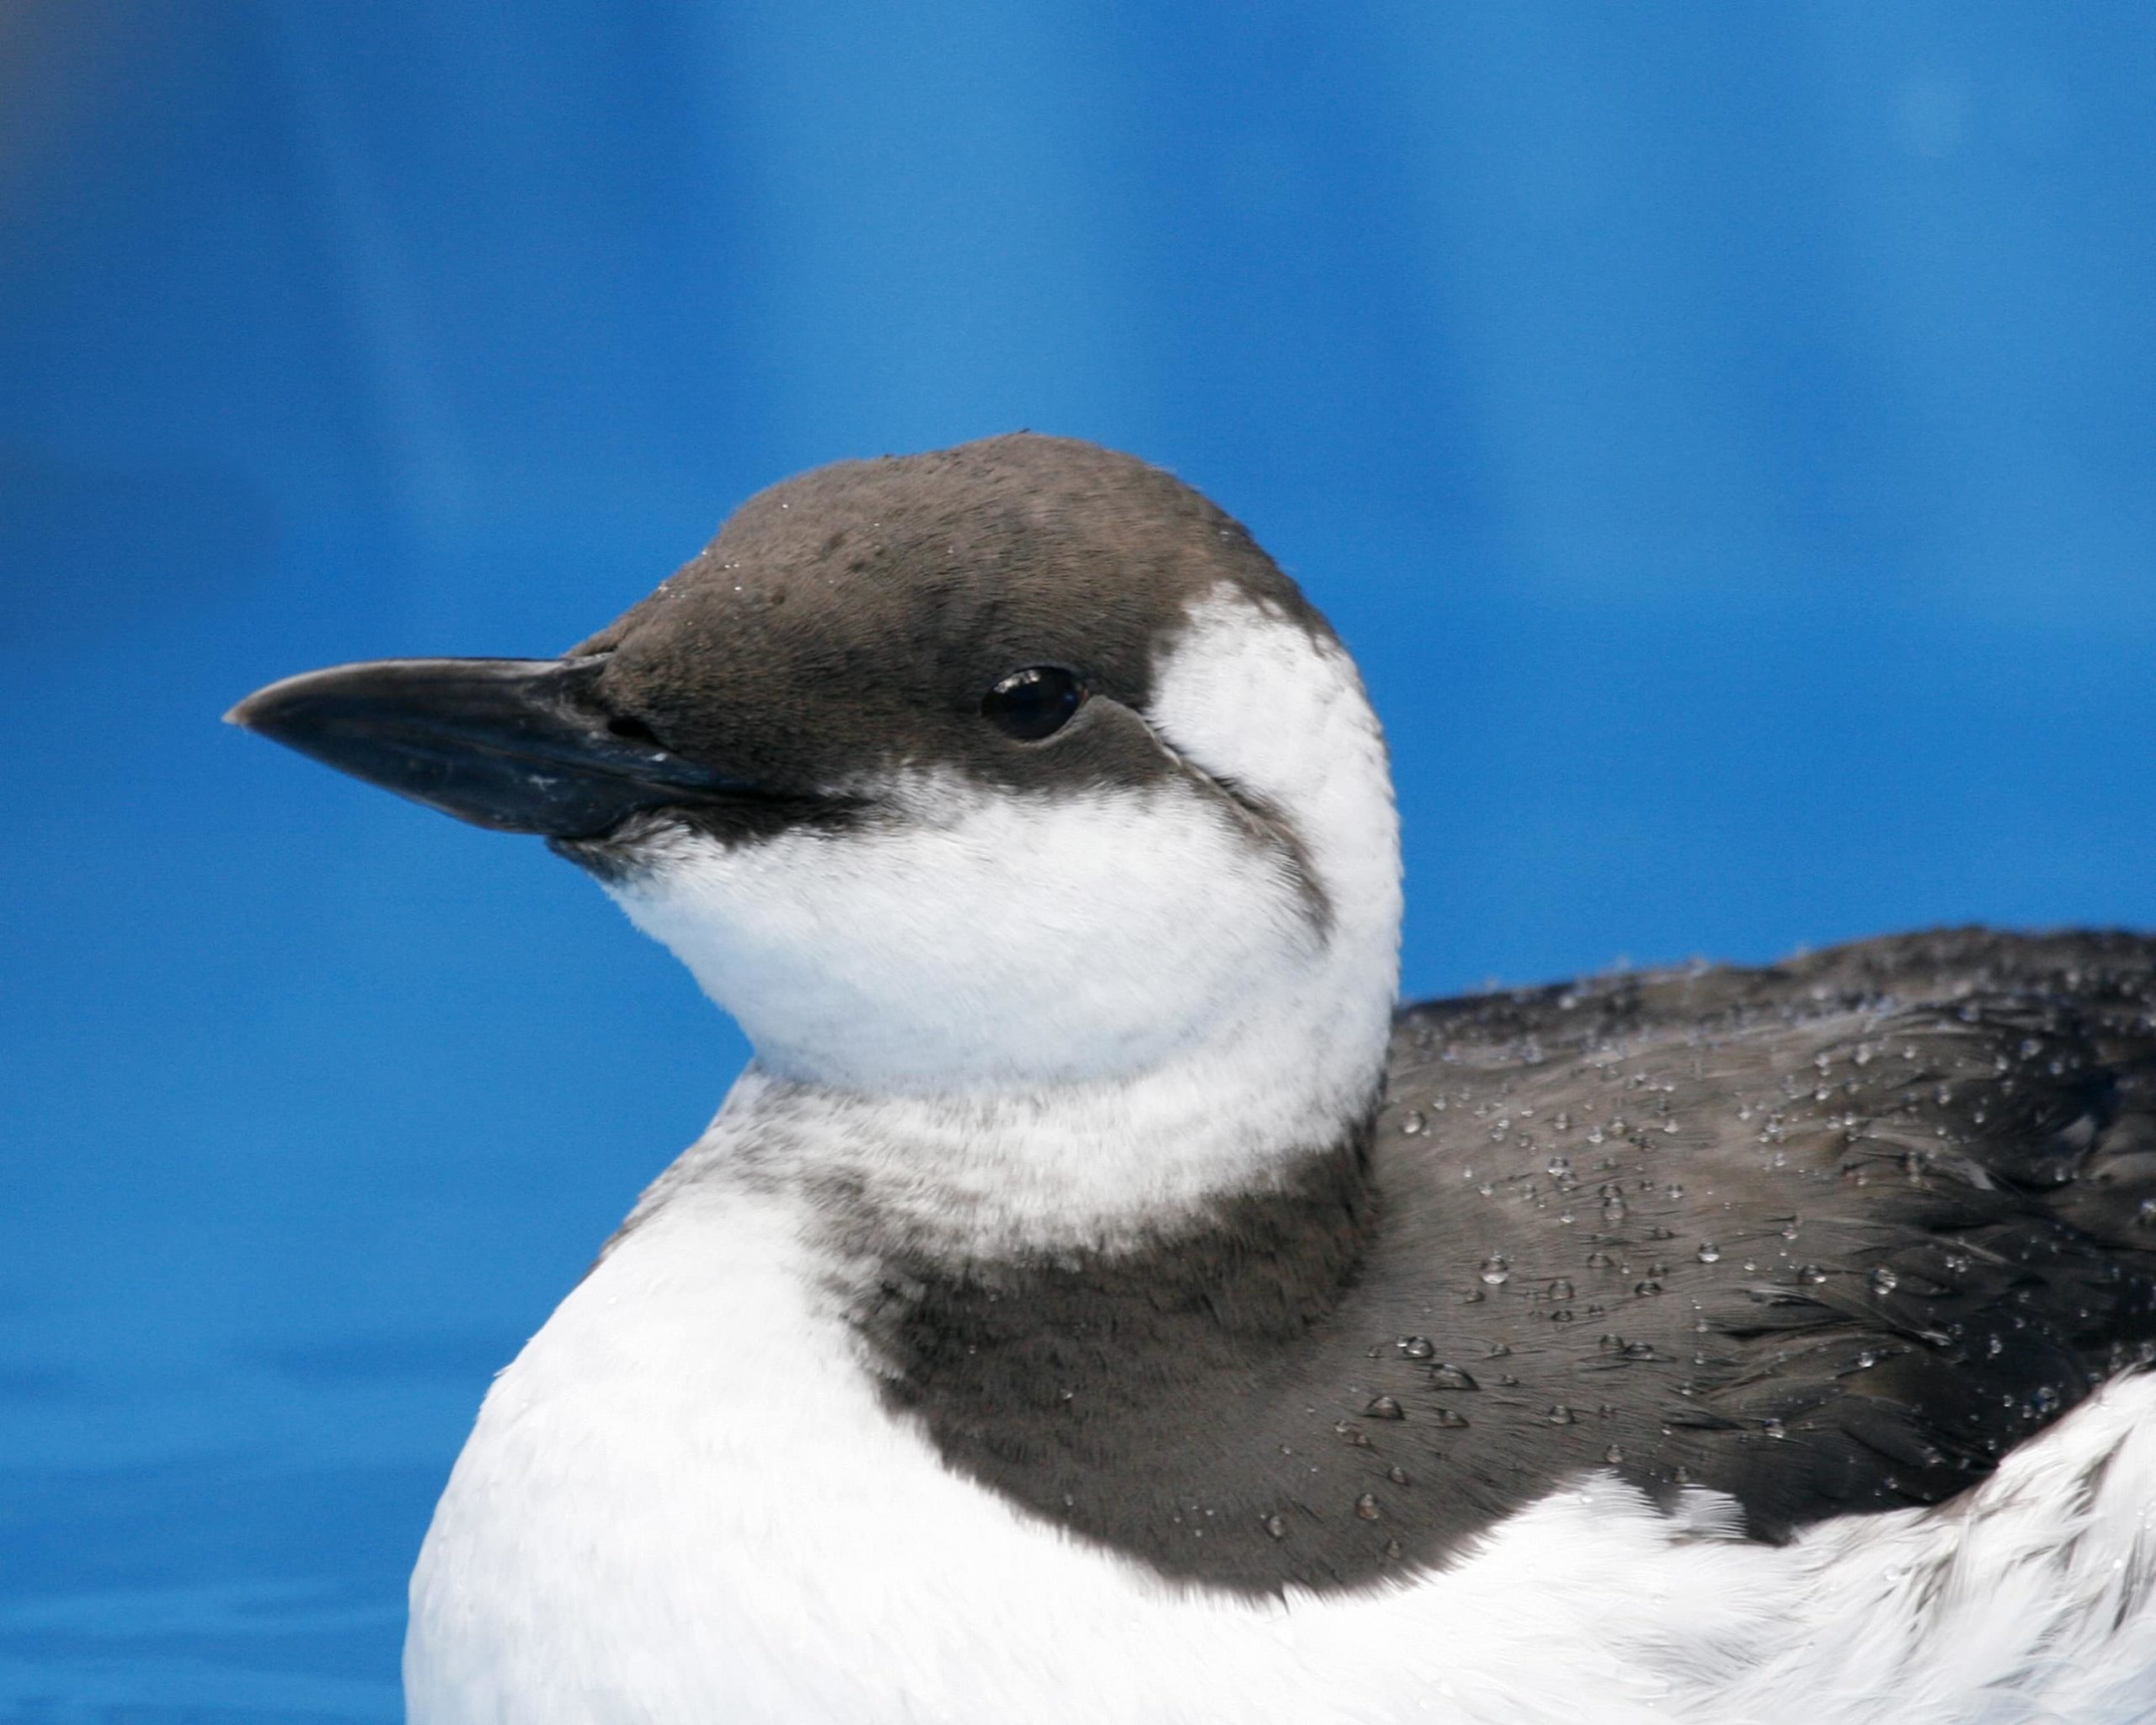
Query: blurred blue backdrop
1725	433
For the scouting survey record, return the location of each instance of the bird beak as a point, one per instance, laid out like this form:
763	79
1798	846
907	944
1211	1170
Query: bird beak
516	745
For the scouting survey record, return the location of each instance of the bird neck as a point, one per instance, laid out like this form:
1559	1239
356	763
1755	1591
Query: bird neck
1087	1165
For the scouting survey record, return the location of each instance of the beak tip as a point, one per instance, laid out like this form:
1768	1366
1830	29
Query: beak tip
249	712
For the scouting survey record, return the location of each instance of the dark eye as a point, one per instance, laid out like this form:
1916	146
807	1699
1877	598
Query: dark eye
1035	702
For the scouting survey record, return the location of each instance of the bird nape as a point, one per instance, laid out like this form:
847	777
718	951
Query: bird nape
1097	1301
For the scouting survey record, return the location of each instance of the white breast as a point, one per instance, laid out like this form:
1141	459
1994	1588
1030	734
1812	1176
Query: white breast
684	1503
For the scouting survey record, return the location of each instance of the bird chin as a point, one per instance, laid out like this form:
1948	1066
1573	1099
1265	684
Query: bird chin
651	839
633	850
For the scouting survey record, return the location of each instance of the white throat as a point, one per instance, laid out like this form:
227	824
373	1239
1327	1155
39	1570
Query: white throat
1062	1013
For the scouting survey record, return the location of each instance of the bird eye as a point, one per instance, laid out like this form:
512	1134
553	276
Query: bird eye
1035	702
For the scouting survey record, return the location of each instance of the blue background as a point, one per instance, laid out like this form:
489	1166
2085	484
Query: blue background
1724	432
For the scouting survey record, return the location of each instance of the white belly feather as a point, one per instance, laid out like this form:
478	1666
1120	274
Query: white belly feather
684	1503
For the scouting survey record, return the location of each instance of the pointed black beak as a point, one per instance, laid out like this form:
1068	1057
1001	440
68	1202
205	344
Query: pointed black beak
517	745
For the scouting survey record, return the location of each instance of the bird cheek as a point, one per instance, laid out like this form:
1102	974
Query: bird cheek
1026	941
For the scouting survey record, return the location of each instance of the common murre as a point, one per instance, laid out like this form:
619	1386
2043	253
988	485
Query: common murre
1096	1303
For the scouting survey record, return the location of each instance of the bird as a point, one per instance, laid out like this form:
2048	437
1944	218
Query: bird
1099	1299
